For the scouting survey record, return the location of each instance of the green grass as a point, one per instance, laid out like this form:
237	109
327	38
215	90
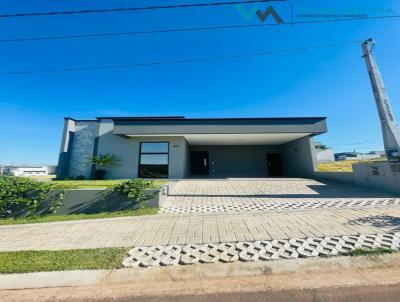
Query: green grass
369	252
53	218
40	261
85	184
342	166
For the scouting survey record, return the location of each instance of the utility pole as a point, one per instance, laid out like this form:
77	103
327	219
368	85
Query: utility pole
390	130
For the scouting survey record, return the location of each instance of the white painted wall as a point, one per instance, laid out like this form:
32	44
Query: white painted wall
127	149
376	176
324	156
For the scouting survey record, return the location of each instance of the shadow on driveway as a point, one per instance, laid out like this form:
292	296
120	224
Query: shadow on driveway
380	221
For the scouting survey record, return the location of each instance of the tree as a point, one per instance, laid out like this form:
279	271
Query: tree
321	146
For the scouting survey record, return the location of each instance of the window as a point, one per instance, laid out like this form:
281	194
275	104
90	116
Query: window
153	161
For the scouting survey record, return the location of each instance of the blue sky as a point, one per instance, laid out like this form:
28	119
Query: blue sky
330	82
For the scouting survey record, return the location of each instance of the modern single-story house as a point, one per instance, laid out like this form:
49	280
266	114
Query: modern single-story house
178	147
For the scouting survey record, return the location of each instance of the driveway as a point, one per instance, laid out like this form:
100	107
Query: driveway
237	195
282	209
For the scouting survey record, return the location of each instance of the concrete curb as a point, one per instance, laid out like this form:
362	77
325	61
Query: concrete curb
137	276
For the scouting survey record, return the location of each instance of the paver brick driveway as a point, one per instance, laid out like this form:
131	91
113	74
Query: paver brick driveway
381	216
258	191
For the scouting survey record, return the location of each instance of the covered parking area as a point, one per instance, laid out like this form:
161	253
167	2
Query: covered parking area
215	147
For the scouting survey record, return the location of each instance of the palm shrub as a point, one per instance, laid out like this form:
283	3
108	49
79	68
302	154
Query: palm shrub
24	196
102	162
135	188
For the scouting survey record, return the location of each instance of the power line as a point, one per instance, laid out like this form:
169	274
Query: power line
188	29
358	143
183	61
131	9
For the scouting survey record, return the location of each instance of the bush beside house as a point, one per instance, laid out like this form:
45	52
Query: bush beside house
26	197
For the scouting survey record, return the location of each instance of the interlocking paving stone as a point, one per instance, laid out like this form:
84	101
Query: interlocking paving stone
198	229
224	192
265	250
370	212
275	206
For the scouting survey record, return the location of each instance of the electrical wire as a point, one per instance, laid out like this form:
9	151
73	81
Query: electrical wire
188	29
131	9
179	61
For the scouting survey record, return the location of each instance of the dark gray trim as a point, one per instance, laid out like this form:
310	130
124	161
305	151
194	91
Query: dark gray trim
75	120
183	119
178	117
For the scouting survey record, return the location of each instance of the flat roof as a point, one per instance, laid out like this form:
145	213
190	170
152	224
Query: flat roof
182	118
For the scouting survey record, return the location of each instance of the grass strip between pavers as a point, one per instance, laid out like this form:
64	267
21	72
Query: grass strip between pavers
369	252
68	217
40	261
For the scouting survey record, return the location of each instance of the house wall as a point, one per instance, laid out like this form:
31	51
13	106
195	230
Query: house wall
237	161
298	158
66	141
82	149
77	148
325	156
127	149
83	139
376	175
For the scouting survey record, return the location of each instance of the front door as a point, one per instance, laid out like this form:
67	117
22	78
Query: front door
274	164
199	162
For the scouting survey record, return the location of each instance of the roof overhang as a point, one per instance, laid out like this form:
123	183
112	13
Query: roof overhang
234	139
225	131
182	126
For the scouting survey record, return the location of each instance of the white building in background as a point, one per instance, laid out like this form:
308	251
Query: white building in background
325	156
360	156
27	170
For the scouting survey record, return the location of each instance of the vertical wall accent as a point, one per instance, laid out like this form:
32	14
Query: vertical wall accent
82	148
65	150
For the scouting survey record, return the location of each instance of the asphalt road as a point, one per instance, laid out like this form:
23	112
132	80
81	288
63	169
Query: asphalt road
352	294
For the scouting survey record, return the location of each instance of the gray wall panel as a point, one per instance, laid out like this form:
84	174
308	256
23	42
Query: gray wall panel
82	148
298	158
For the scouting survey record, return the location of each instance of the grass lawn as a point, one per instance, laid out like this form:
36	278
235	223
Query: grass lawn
84	184
341	166
53	218
371	252
39	261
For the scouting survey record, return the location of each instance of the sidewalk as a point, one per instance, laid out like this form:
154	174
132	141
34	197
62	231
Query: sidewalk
198	229
304	279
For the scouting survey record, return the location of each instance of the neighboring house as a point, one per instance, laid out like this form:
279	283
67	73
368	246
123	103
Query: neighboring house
359	156
27	170
178	147
325	155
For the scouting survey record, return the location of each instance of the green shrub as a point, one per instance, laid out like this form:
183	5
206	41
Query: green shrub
134	189
26	197
103	161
